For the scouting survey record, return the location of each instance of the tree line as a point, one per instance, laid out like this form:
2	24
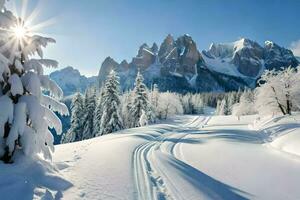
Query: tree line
278	92
106	110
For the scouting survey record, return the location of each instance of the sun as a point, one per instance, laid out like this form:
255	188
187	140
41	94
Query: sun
19	31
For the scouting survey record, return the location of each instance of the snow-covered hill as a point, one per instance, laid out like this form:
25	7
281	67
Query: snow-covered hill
188	157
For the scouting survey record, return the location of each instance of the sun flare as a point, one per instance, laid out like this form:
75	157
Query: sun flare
24	27
19	31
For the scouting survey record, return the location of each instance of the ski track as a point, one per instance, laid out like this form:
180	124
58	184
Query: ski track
150	179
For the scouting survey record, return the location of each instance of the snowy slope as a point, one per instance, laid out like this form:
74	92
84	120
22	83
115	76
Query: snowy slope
188	157
231	153
222	66
283	133
193	158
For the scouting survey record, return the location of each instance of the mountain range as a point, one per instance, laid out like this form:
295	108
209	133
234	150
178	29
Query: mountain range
178	65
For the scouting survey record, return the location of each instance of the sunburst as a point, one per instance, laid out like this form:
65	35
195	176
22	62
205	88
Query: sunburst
21	31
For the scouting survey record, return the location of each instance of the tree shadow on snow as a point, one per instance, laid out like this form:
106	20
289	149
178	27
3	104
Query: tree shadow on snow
207	186
278	130
28	179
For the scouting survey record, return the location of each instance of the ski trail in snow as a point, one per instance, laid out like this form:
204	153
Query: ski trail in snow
176	148
149	176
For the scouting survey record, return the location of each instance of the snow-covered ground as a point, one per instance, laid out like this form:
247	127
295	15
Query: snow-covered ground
188	157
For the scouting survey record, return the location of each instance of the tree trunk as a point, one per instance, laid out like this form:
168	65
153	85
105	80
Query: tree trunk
278	103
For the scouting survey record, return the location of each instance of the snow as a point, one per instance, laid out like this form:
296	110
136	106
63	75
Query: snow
6	114
283	133
220	56
236	156
31	178
18	125
16	85
222	66
187	157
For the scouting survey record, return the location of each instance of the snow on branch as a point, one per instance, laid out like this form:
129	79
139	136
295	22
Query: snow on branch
51	86
6	114
35	44
37	65
53	120
54	105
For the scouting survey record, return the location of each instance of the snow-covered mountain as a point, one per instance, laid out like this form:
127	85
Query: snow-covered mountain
178	65
70	80
246	58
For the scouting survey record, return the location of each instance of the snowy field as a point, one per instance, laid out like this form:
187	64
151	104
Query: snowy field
188	157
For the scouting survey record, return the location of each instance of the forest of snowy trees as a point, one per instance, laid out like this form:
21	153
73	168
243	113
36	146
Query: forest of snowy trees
278	92
107	110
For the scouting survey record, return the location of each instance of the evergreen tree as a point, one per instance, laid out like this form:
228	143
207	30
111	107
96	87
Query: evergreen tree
140	102
90	106
143	119
221	107
154	98
111	120
26	112
126	103
246	104
230	102
76	129
98	113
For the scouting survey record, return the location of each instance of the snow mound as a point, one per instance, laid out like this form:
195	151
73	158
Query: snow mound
281	133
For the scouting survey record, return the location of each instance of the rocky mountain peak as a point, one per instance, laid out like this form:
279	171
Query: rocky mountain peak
154	48
166	46
141	50
269	44
277	57
144	58
246	57
70	70
169	39
124	64
108	60
107	65
70	80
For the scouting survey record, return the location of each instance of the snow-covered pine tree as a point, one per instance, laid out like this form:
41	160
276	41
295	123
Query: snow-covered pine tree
221	107
245	105
26	112
77	113
98	112
111	120
140	102
186	101
197	104
126	102
90	106
154	98
143	119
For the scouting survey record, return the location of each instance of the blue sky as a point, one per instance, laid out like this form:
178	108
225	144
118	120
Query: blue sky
88	31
